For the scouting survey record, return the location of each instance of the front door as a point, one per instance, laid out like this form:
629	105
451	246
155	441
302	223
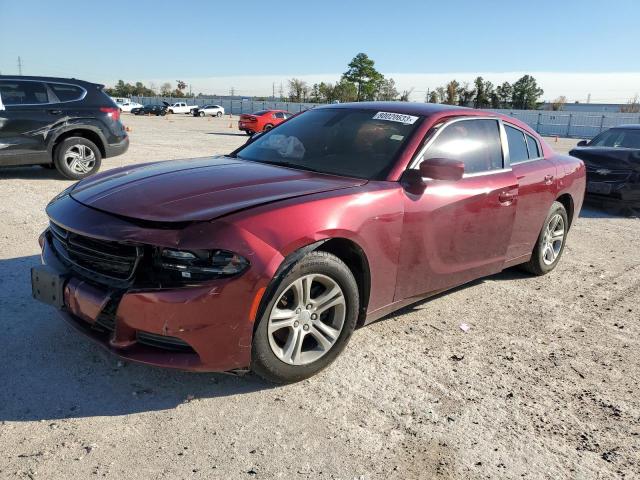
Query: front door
25	122
457	231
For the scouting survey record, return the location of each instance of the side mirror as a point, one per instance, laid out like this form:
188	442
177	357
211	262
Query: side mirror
582	143
441	169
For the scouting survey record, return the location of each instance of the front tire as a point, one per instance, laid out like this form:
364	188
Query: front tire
551	242
76	158
201	114
308	320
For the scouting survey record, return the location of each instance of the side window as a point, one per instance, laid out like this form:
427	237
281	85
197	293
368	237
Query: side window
517	145
474	142
68	93
16	92
534	149
279	115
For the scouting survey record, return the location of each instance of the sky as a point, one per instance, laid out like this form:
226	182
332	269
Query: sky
574	48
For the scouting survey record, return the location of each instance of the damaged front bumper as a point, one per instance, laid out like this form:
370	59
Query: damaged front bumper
206	327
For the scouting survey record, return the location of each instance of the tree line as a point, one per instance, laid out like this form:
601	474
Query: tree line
122	89
523	94
360	82
363	82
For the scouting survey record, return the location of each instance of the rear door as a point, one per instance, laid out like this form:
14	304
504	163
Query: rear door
457	231
25	122
536	189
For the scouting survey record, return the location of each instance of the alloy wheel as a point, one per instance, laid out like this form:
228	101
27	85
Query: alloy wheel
553	239
307	319
79	158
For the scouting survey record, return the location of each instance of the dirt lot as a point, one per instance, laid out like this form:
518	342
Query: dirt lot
544	385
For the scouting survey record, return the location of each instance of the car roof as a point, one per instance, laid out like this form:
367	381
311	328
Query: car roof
630	126
408	108
49	79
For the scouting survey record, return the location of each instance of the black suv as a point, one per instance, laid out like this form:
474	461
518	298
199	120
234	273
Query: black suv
58	122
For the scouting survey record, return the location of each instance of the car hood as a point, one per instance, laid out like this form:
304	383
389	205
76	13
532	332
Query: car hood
608	157
198	189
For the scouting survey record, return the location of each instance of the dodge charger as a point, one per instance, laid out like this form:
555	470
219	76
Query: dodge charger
268	259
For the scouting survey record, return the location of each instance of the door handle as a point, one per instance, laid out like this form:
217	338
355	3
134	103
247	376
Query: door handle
506	198
55	112
548	179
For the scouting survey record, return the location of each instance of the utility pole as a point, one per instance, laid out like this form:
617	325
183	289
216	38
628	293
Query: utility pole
273	90
589	98
232	92
281	91
19	66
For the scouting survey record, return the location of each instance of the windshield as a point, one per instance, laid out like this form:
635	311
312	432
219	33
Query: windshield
617	137
347	142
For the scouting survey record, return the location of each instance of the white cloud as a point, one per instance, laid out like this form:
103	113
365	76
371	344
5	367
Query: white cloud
603	87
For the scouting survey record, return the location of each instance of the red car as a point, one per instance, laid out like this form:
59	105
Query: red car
268	258
262	120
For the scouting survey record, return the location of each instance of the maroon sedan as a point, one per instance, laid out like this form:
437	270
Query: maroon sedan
268	258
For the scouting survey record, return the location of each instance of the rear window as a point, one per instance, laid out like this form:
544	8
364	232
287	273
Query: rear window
517	145
19	92
68	93
260	112
347	142
534	149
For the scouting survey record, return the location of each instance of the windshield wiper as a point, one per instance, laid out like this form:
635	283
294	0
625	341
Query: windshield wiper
294	165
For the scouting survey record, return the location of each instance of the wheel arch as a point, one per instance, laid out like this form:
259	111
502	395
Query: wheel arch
83	133
567	202
346	250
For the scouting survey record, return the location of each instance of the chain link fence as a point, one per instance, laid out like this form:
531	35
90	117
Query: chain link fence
547	123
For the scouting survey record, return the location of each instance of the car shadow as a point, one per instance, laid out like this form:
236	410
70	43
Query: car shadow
34	172
510	274
49	371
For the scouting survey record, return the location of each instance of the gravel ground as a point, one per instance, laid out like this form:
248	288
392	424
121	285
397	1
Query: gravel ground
543	385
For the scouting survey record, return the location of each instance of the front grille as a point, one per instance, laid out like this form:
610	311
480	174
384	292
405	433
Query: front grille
607	175
113	260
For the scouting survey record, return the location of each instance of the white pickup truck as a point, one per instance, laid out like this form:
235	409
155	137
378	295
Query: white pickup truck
181	107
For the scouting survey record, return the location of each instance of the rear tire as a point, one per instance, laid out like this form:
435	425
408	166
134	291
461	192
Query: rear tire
267	127
76	158
219	114
308	320
551	242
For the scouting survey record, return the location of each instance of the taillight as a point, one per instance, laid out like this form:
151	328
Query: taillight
112	112
252	119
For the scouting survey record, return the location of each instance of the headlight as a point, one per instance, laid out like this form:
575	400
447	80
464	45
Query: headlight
201	264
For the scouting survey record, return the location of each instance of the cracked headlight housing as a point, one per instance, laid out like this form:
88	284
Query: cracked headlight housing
199	265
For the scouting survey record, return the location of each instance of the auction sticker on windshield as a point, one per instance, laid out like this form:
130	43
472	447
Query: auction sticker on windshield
395	117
